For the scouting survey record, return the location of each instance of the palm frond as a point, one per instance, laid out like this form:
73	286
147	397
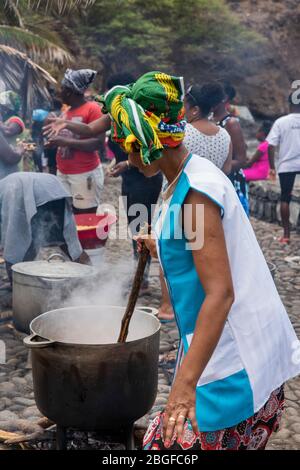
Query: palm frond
59	6
37	47
22	75
12	15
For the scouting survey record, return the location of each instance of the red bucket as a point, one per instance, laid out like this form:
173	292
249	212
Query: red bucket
93	229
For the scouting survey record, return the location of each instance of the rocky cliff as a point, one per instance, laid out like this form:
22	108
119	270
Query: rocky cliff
265	78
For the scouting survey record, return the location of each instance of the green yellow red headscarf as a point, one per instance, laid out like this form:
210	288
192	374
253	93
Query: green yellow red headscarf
148	114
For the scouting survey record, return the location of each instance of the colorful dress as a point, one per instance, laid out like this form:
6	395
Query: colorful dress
260	169
251	434
256	352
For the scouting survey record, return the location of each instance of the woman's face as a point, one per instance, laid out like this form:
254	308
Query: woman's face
147	170
260	135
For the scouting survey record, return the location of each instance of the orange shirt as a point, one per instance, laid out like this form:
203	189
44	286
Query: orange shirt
72	161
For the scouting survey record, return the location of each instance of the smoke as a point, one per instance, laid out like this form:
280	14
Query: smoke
109	286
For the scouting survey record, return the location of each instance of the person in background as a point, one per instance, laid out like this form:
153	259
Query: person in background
39	116
230	92
10	157
239	154
11	129
50	152
133	182
136	188
78	163
11	125
202	136
285	133
36	212
257	167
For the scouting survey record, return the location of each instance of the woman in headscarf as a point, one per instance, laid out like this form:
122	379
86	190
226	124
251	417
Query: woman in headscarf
236	350
11	129
78	163
12	125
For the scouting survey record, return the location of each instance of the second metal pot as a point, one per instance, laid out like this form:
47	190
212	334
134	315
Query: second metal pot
39	286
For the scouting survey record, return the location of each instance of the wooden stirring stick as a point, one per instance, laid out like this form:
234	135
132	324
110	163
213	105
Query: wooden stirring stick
136	285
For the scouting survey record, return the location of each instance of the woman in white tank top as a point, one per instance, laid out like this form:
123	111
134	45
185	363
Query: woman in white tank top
203	137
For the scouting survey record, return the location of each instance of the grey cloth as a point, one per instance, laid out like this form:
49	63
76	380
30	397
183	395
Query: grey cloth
20	196
78	80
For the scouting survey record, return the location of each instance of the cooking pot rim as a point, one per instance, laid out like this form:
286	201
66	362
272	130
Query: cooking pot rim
84	345
69	270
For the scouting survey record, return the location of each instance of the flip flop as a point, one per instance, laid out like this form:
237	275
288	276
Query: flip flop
284	241
165	320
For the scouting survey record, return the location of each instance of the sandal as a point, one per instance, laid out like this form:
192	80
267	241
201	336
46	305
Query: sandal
284	240
169	318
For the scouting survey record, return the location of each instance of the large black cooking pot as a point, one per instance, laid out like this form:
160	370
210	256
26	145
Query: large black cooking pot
83	378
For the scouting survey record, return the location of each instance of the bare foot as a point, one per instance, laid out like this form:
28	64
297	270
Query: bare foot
165	312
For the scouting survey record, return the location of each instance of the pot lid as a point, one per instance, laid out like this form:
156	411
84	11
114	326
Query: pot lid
54	268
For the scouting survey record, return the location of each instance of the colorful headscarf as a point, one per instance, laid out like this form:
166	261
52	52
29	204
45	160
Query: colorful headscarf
78	80
148	114
10	100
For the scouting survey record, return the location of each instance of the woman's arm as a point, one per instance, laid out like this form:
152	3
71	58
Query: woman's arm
271	154
7	154
258	154
86	145
238	144
99	126
212	265
228	163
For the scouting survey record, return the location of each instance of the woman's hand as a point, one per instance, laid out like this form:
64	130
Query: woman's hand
180	407
20	148
55	126
58	141
118	169
149	241
272	175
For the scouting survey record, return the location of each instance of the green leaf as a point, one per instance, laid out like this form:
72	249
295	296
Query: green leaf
37	47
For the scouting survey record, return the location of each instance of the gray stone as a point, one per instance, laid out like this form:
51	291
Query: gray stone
289	395
7	415
162	389
7	387
142	423
7	402
173	336
28	378
31	411
12	362
19	381
161	401
296	438
296	427
16	408
163	381
283	434
164	347
291	411
24	401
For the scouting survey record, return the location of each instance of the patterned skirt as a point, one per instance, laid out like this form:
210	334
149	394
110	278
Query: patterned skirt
251	434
